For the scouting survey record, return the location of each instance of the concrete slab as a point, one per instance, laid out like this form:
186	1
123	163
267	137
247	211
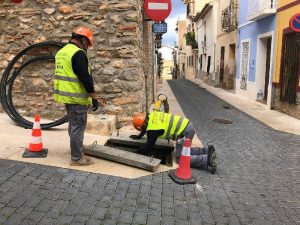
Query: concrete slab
15	139
122	156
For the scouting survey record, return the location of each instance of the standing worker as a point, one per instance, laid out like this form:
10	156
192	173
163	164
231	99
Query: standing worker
74	87
166	126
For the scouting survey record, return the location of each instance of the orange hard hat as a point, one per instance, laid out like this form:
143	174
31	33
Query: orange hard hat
86	32
138	121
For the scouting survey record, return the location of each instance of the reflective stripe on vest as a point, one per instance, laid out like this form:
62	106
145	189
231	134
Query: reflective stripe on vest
67	87
73	95
177	128
172	125
65	78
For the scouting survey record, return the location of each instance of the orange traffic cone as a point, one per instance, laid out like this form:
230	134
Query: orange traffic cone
35	149
182	175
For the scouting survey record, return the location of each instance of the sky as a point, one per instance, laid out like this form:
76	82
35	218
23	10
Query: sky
178	12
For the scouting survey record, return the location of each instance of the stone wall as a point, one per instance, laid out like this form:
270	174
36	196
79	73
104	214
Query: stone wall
116	57
148	41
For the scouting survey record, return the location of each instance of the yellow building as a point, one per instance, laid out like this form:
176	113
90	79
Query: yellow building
167	69
286	82
227	43
181	53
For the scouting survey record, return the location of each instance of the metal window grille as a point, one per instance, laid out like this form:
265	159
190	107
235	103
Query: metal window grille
229	17
244	65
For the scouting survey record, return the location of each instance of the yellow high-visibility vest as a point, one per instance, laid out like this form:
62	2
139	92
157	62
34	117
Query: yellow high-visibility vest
67	87
172	125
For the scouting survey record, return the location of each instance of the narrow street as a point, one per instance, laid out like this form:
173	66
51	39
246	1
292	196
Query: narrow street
257	181
258	167
92	92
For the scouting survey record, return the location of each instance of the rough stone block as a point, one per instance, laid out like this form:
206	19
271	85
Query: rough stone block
101	124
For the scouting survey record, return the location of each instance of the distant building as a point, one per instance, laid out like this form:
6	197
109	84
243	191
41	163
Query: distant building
206	22
192	8
167	72
181	52
286	81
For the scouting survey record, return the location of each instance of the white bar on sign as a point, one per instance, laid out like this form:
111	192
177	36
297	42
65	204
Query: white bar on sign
157	6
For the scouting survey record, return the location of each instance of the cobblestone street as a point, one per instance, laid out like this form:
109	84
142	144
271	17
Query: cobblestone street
257	182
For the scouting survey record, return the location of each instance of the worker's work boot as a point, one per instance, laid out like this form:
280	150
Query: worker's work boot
212	159
84	161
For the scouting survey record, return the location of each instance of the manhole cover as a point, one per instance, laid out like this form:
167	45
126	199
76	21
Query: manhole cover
222	121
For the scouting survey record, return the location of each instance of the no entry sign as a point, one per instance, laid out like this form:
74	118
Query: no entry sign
295	22
157	10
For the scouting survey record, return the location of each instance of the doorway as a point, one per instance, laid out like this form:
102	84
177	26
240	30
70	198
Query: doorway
290	68
232	67
268	65
208	65
222	66
263	70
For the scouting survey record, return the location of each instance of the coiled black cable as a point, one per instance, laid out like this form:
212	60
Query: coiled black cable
9	76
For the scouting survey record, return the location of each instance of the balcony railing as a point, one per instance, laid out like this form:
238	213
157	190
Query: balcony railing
190	9
229	17
258	9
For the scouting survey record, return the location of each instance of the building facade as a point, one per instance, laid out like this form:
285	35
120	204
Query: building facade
286	82
123	42
206	27
167	71
256	41
192	8
227	43
181	49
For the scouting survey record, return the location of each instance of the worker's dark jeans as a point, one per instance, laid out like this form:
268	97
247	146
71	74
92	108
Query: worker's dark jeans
77	115
198	155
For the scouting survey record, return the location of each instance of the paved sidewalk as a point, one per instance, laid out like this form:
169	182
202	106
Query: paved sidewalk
275	119
14	142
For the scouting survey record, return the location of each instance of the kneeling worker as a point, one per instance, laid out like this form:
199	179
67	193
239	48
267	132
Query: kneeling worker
166	126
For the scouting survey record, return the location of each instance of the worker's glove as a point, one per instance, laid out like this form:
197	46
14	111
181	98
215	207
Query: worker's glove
135	136
95	104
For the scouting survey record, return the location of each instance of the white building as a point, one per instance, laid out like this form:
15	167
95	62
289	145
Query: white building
206	28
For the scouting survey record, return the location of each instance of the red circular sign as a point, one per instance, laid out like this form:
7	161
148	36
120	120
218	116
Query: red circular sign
295	22
157	10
